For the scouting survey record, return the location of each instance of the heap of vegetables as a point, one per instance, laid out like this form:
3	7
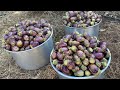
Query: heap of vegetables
80	55
26	35
81	19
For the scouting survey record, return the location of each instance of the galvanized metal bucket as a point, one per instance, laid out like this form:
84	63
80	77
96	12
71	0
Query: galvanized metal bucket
34	58
63	76
91	30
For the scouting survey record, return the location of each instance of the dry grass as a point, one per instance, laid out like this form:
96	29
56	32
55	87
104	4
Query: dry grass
8	68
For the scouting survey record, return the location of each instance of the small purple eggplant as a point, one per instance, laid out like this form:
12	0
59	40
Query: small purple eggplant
86	61
59	67
99	56
73	48
60	56
15	48
34	44
62	44
63	49
81	54
68	57
71	65
71	13
80	39
69	52
93	45
75	69
26	37
67	38
12	42
98	63
93	40
83	67
87	73
65	70
80	47
6	36
55	62
86	43
19	43
98	49
39	39
92	60
87	53
79	73
54	55
90	49
7	47
93	68
76	43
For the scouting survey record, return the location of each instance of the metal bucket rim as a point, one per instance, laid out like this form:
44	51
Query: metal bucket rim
32	48
73	77
86	27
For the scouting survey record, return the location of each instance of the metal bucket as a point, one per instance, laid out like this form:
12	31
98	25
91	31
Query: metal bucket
91	30
34	58
63	76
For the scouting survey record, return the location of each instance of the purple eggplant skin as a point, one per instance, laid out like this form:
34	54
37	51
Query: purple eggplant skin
79	73
86	43
68	57
87	36
26	37
12	42
93	45
27	48
80	39
35	44
7	47
19	43
75	69
71	13
93	40
63	49
6	36
10	34
76	43
15	48
67	37
98	49
62	44
81	54
59	67
39	39
103	47
71	65
102	43
69	52
80	47
65	70
60	56
99	56
54	55
93	68
26	43
87	53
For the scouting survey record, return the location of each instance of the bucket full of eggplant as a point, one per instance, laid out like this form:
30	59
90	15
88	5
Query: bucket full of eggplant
80	56
30	43
82	21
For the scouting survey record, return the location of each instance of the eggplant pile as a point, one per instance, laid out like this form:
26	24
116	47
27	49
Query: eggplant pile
80	55
26	35
81	19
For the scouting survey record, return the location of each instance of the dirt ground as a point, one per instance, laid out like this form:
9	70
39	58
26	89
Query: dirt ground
110	32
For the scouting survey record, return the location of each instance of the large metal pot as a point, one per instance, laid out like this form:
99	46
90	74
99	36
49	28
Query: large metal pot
91	30
34	58
64	76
